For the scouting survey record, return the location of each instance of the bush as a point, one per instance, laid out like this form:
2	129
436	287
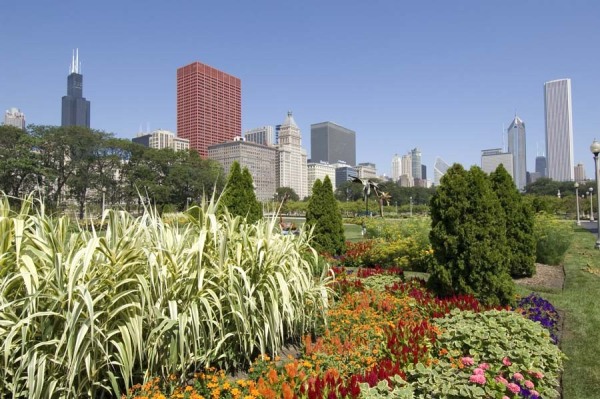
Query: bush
553	239
324	217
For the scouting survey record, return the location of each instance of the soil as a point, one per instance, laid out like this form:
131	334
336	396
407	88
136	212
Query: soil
546	277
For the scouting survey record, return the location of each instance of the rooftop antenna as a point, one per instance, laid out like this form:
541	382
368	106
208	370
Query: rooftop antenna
503	141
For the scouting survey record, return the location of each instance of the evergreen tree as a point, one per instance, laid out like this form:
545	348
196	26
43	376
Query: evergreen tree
468	236
519	224
324	216
239	197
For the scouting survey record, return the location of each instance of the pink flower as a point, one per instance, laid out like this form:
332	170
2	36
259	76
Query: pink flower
529	384
478	371
518	376
534	393
506	362
467	361
536	374
501	380
514	388
484	366
477	379
505	397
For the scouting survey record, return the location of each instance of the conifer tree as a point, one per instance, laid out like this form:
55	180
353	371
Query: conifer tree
468	236
239	197
519	224
324	215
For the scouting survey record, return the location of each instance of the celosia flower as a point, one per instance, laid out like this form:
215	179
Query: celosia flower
467	361
478	371
506	361
477	379
514	388
518	376
529	384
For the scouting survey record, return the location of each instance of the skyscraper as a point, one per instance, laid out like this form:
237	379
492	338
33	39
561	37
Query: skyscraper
14	117
75	108
492	158
209	106
331	143
540	165
396	168
559	129
415	156
516	146
160	139
264	135
292	166
439	170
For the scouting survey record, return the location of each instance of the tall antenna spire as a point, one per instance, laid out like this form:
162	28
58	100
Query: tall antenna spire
76	60
75	64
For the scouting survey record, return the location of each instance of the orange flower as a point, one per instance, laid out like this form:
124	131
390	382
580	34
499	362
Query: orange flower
287	391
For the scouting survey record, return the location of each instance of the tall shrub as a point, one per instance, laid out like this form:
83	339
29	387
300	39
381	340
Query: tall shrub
519	224
324	216
468	237
239	197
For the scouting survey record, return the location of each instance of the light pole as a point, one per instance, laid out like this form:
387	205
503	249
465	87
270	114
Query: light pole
410	199
396	208
558	194
591	204
577	200
595	148
103	199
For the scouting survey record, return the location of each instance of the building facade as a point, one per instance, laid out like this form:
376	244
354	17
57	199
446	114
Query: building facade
559	129
440	167
291	168
540	166
319	171
518	149
160	139
75	108
331	143
259	159
264	135
492	158
579	173
14	117
209	106
396	168
415	157
366	170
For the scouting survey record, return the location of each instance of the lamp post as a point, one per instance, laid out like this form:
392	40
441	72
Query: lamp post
591	192
410	199
103	199
595	148
577	200
396	207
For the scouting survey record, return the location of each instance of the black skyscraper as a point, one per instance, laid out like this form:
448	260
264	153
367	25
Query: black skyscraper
75	108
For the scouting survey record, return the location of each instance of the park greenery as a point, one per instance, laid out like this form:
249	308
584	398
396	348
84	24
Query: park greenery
239	197
325	220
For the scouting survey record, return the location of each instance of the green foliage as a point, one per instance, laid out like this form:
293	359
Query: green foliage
553	238
88	315
324	217
519	224
286	193
468	237
239	197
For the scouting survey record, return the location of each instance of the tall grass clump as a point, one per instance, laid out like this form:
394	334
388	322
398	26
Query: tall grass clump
553	238
90	314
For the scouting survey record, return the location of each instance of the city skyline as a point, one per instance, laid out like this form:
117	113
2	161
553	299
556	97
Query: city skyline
430	75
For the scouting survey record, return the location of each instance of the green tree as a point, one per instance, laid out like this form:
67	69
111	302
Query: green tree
239	197
19	165
468	237
519	224
324	216
286	193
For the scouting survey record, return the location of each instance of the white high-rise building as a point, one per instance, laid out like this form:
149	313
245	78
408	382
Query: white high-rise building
439	170
366	170
292	168
396	168
318	170
264	135
559	129
14	117
492	158
406	178
160	139
518	149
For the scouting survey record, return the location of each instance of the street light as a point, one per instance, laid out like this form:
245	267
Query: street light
577	200
103	200
595	148
591	204
410	198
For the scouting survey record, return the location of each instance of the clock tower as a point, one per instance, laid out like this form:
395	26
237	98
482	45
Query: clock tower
75	108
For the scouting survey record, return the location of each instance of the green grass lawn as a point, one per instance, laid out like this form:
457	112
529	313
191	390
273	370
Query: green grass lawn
580	305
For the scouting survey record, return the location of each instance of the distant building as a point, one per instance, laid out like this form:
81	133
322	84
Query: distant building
331	143
423	172
396	168
160	139
209	106
318	170
579	173
540	165
440	168
559	129
517	147
75	108
366	170
260	160
415	157
406	178
14	117
492	158
344	173
292	163
264	135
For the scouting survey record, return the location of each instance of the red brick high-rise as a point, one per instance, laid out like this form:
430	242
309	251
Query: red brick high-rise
209	106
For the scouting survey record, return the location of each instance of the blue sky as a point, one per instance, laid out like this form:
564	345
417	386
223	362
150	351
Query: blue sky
444	76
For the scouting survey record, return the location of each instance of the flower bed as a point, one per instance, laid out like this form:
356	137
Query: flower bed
387	337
